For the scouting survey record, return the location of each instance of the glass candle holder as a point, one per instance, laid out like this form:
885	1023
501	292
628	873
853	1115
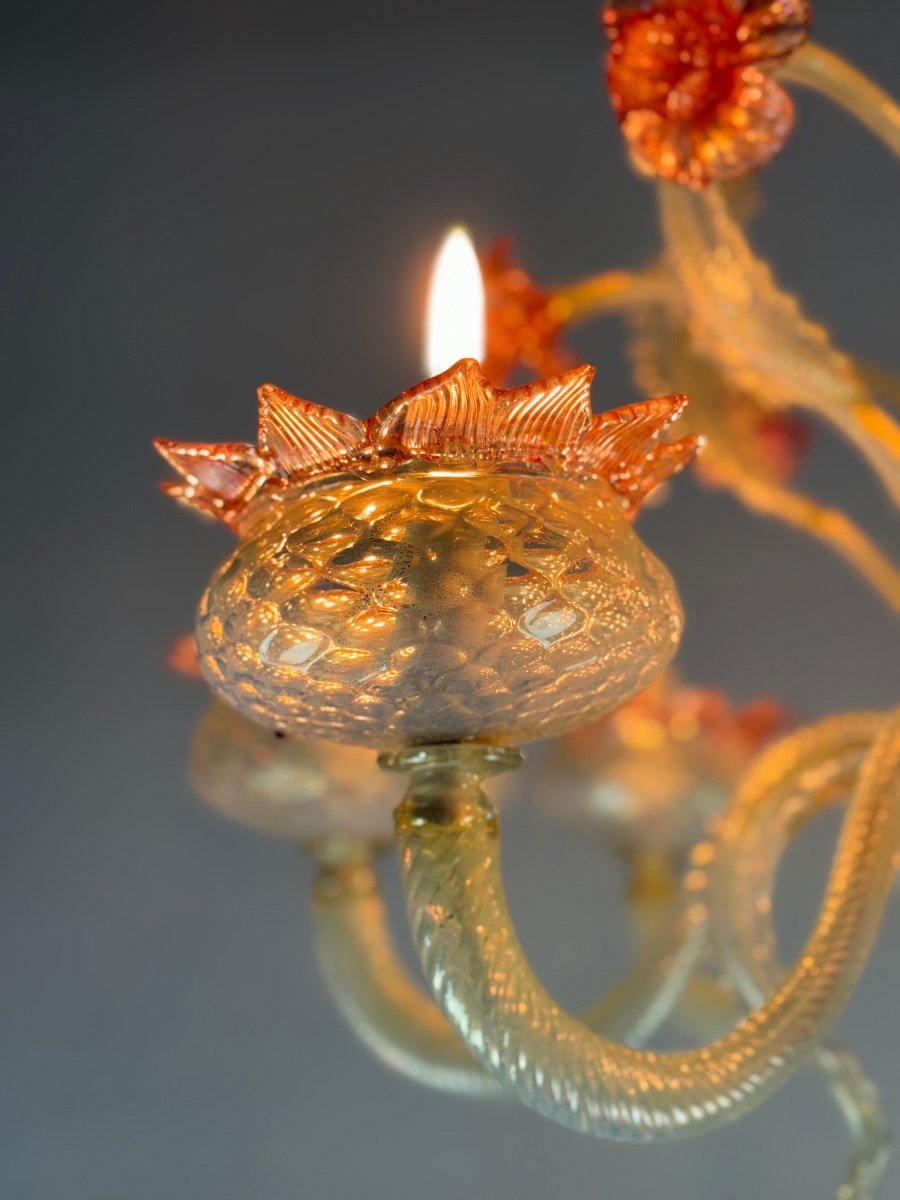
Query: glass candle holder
462	567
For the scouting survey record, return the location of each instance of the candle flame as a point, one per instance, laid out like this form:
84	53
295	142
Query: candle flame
455	322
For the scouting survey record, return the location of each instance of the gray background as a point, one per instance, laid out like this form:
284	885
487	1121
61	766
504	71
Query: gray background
199	197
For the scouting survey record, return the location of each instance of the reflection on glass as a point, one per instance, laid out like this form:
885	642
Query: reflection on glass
460	575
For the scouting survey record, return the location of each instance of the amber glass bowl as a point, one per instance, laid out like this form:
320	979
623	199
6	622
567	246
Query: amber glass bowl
461	567
428	606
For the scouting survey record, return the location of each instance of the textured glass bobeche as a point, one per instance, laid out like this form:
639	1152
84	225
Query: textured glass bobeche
436	606
460	567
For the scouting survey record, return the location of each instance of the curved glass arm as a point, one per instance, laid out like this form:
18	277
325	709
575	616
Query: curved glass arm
787	787
709	1008
404	1028
822	765
449	851
387	1011
860	1102
401	1024
811	769
819	69
828	525
757	334
611	292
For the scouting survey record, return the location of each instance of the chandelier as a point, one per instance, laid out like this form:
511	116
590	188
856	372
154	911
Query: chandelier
460	575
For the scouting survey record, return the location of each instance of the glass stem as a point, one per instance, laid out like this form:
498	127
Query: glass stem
757	334
610	292
828	525
819	69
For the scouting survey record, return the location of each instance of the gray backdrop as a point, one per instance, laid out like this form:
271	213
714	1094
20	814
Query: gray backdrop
199	197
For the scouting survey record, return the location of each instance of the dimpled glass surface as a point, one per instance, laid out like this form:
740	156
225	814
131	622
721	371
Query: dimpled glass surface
427	606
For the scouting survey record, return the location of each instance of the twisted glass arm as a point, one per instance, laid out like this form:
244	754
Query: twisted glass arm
784	789
660	303
709	1008
449	851
611	292
757	334
827	525
819	69
404	1028
387	1011
788	785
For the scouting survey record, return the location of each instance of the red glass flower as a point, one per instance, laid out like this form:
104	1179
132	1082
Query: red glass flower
691	85
524	323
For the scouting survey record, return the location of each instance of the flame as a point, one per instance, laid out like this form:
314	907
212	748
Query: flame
455	326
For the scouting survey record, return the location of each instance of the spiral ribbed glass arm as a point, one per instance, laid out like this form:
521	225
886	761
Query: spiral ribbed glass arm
388	1012
394	1018
709	1008
449	850
786	787
402	1025
819	69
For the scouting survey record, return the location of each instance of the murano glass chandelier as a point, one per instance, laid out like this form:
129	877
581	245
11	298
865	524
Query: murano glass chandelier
460	575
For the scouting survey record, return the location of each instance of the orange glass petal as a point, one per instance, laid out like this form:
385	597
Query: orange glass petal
670	712
773	29
457	419
217	479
